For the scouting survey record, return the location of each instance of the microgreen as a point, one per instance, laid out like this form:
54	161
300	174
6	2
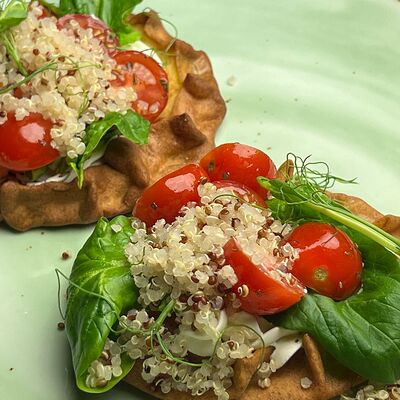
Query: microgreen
308	188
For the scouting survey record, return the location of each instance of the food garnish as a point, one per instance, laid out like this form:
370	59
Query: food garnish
187	294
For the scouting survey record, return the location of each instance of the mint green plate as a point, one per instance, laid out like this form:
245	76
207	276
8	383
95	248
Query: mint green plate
316	77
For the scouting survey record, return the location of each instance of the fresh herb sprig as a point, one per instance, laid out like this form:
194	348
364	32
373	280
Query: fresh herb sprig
12	13
49	66
308	188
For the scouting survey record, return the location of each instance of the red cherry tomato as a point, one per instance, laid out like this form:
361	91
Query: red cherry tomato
329	262
100	30
268	294
167	196
25	145
147	77
241	191
239	163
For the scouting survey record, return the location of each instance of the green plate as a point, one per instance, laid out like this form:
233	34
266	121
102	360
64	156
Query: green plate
316	77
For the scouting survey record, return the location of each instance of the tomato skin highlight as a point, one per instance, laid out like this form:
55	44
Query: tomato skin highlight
240	163
242	191
168	195
148	79
100	30
266	294
329	262
25	145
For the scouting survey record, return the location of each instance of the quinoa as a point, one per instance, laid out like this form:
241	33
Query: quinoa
75	93
184	262
376	392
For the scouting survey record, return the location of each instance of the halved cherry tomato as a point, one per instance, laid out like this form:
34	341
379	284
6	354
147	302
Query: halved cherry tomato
100	30
267	294
241	191
329	262
239	163
25	145
147	77
167	196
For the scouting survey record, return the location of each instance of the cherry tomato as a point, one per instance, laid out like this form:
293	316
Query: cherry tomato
239	163
267	292
148	79
329	262
100	30
25	145
167	196
241	191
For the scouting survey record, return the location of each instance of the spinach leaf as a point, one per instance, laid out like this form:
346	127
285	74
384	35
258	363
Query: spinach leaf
102	269
113	12
363	331
12	13
130	125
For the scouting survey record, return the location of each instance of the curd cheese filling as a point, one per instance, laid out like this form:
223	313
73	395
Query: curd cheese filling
182	264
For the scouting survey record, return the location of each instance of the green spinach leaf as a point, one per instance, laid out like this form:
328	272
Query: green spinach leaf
113	12
102	269
362	332
12	13
130	125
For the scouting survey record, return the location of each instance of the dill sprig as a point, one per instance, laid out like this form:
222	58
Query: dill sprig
49	66
307	188
54	66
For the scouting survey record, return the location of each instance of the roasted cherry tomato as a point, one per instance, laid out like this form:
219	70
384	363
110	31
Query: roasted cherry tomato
241	191
25	145
267	292
167	196
329	262
147	77
239	163
100	30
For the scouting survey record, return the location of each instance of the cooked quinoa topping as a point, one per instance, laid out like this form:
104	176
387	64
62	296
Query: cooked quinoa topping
376	392
184	263
74	93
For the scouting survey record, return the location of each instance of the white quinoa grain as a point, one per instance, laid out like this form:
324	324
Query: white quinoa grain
65	94
306	383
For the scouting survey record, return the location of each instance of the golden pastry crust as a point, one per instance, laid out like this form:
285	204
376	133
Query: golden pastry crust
184	132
